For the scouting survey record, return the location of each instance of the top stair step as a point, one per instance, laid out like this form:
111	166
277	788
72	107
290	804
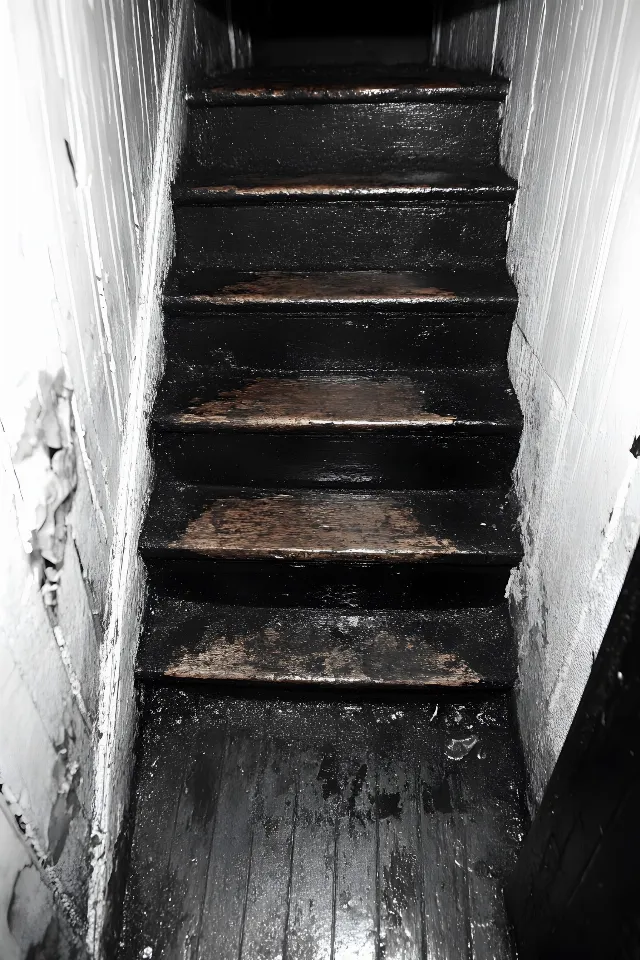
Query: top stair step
363	120
366	84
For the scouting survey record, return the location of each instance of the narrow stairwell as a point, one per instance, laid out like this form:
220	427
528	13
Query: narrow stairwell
329	765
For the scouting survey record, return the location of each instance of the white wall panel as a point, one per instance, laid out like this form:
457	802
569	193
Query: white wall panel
92	110
571	138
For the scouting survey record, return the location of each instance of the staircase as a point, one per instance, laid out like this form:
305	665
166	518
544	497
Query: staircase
328	765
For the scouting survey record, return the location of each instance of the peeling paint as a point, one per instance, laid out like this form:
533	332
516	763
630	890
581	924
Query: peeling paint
45	465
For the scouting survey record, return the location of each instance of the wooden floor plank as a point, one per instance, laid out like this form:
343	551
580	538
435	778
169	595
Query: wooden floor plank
230	852
193	835
312	890
399	888
162	770
356	906
274	834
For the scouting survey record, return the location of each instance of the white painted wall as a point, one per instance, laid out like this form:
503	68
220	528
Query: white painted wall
572	139
92	109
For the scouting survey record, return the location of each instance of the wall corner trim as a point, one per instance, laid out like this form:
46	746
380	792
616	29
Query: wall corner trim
126	581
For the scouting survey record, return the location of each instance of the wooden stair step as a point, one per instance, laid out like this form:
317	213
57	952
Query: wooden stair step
419	186
288	645
297	121
203	291
364	84
438	400
453	527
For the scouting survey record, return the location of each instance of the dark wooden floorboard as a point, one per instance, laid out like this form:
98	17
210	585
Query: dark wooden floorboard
306	828
312	874
356	905
156	819
225	895
399	888
275	817
195	821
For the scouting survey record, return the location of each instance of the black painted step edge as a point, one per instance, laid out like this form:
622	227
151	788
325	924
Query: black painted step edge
166	422
390	92
230	194
203	303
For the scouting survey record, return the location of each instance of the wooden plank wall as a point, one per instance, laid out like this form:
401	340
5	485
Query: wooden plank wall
571	138
91	113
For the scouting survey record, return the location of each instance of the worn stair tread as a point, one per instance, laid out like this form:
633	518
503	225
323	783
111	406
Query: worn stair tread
478	399
188	640
298	827
455	527
424	186
203	290
362	84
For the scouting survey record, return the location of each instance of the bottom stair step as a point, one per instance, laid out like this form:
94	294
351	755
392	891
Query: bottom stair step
334	828
449	648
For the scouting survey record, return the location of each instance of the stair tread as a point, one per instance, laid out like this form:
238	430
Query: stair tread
190	640
294	825
196	186
203	290
361	84
478	399
461	526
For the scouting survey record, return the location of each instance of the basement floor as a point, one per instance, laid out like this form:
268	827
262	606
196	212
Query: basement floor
306	828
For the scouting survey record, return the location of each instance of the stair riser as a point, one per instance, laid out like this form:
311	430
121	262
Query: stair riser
304	51
372	460
353	137
342	236
339	585
336	342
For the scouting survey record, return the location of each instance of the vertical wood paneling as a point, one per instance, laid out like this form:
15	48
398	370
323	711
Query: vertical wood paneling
571	138
86	237
467	40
